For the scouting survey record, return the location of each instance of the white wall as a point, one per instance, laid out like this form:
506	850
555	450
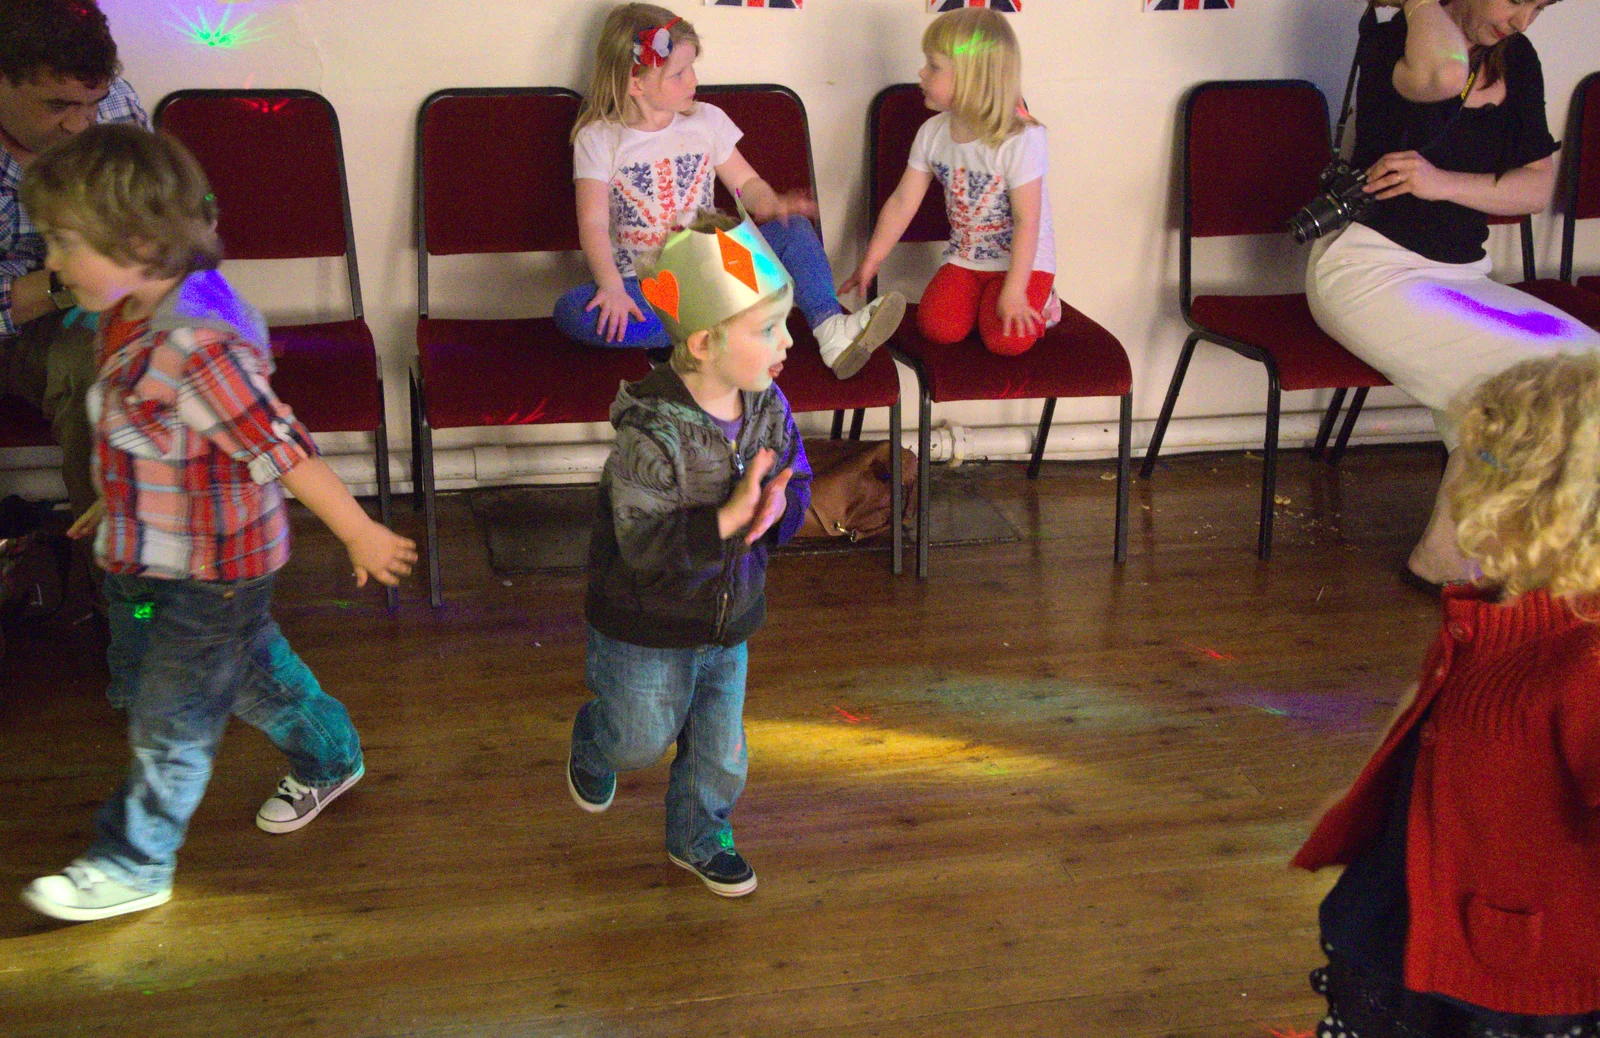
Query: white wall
1105	78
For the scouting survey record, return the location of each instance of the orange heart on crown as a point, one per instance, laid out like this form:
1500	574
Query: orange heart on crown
662	292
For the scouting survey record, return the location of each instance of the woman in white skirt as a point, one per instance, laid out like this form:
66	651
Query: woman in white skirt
1450	124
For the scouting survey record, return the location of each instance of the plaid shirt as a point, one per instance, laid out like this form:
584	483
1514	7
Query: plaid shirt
21	248
190	442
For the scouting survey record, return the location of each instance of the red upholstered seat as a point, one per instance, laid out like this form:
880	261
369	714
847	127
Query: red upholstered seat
1251	151
1282	326
22	424
517	372
1590	284
275	161
1077	358
306	354
1585	306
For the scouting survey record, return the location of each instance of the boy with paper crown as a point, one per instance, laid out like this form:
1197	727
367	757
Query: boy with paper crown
707	475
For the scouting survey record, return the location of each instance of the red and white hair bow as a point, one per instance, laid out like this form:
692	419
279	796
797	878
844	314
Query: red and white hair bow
653	46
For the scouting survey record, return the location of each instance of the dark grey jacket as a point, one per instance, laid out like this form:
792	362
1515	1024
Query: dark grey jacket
659	573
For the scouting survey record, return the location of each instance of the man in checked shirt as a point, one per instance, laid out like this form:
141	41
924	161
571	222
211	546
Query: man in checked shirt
58	74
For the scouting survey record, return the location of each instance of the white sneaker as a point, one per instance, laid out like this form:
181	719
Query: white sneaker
81	892
847	340
295	805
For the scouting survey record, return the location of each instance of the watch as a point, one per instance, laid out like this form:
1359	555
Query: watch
60	294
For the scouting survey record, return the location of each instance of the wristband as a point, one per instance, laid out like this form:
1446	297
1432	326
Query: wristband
60	294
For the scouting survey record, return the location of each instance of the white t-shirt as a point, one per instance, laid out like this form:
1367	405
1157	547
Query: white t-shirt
977	178
658	179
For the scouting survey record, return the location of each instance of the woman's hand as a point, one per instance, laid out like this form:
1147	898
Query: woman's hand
1407	173
615	305
1016	316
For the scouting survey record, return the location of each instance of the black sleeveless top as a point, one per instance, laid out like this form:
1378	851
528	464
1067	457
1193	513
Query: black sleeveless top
1492	139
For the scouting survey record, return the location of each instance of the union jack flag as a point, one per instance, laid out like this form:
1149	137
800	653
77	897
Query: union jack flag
1008	6
791	5
1188	5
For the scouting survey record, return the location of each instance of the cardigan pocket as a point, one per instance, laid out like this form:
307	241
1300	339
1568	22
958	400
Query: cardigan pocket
1503	940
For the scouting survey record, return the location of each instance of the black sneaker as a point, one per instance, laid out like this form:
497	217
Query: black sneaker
588	792
726	873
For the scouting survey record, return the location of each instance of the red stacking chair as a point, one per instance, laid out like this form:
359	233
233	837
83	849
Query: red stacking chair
276	164
1578	198
1076	358
494	175
777	142
22	425
1251	151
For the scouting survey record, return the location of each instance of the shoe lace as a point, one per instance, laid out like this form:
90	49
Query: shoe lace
292	789
83	875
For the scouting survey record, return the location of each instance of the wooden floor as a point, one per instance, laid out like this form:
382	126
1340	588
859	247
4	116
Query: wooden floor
1033	796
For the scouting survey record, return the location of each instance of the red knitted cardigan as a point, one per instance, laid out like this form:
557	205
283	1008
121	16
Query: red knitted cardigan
1503	838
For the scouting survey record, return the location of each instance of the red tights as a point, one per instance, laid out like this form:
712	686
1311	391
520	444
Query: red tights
958	298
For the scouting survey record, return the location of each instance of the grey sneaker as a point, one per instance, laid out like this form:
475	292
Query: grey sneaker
846	341
81	892
590	792
295	805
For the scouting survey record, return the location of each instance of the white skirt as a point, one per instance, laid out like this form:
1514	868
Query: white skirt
1434	329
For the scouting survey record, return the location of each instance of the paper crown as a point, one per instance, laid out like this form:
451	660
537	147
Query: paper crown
702	278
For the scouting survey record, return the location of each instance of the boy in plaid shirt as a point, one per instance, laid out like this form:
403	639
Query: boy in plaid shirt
190	446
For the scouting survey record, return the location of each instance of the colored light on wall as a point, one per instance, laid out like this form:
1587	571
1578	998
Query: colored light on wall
224	33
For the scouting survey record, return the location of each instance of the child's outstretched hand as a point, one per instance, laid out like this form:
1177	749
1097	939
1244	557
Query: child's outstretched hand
858	281
86	524
793	203
771	505
740	509
382	554
615	305
1016	316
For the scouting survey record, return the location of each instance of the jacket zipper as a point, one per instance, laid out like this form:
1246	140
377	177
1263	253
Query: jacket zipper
725	596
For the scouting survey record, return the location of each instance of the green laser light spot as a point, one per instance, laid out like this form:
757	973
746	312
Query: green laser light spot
144	610
975	44
201	30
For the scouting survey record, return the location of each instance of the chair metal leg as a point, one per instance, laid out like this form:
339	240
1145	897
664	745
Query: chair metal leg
838	426
415	399
1325	427
924	505
1269	468
1160	432
855	422
1040	437
1124	465
897	494
380	465
1349	423
431	511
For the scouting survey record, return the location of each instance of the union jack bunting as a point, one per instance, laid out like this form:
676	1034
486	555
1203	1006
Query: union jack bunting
940	6
790	5
1188	5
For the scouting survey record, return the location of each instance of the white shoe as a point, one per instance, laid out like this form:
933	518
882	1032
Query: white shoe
81	892
847	340
1052	310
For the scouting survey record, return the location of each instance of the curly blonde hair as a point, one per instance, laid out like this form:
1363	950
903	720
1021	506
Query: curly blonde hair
988	70
1527	505
607	100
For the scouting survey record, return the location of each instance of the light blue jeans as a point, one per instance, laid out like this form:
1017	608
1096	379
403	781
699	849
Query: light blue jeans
794	241
184	655
647	699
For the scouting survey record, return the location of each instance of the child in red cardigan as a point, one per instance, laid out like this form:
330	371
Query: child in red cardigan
1470	901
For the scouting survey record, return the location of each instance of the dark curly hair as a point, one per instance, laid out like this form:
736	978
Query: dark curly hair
66	38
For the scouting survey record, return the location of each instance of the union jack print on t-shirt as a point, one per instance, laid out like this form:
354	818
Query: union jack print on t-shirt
979	207
649	198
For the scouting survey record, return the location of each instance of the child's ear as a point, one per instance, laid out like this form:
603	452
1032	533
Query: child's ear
635	88
699	345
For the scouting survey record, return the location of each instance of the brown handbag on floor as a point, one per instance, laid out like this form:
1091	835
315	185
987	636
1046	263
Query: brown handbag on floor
850	492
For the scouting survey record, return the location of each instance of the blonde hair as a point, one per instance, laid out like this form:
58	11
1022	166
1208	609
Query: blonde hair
607	100
1527	506
704	222
988	70
136	197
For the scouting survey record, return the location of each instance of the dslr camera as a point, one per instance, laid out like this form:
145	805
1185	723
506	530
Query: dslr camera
1339	200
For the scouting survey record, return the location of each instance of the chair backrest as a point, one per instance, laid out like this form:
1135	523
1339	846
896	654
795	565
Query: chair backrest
897	113
777	134
276	164
1530	266
1581	194
494	174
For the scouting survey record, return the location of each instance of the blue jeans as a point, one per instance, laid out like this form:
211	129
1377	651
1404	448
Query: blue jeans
796	243
184	655
645	699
